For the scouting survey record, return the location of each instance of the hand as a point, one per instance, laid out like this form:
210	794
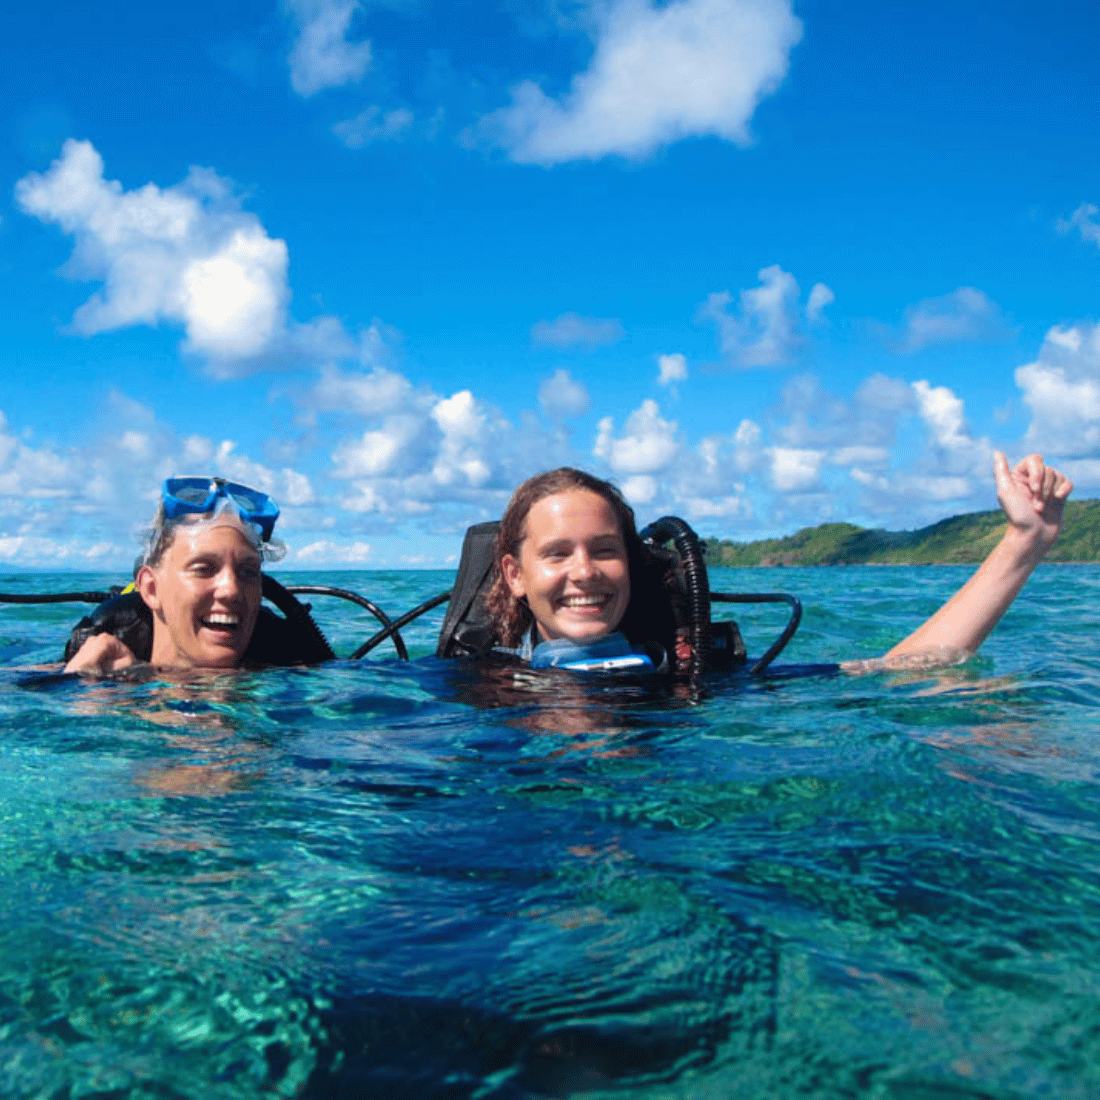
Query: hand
100	655
1033	496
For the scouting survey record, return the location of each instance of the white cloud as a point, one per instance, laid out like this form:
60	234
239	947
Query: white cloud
1083	472
640	489
322	57
372	125
571	330
820	297
27	473
111	485
36	551
379	451
333	553
647	446
795	469
765	331
716	507
186	253
1062	389
562	397
691	68
673	368
942	413
286	486
463	451
858	455
373	393
1083	220
964	315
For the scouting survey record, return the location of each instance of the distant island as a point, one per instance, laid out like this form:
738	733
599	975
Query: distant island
959	540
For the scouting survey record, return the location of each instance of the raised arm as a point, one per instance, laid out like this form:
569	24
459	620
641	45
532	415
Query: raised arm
1033	496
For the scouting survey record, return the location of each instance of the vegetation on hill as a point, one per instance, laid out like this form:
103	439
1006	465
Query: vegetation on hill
958	540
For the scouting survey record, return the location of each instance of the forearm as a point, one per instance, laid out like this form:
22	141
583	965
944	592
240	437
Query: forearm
967	618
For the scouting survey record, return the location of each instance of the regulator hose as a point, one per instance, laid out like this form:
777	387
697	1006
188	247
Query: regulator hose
58	597
675	530
393	627
390	628
780	643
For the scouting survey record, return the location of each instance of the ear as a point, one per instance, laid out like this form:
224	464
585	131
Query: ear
513	576
146	584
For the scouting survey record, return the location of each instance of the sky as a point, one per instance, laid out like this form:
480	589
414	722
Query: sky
763	263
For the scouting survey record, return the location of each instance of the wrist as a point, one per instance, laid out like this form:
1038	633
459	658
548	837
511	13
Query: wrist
1028	542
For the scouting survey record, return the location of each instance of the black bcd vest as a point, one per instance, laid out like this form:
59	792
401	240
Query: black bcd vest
292	638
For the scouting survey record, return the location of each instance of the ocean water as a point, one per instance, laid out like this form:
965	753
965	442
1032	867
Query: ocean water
425	880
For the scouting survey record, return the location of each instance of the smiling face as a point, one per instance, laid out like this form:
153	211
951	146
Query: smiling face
572	567
205	595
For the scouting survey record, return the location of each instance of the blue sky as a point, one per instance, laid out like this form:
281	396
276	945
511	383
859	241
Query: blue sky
763	263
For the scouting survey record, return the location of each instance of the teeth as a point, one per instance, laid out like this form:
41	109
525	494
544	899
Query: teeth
583	601
221	620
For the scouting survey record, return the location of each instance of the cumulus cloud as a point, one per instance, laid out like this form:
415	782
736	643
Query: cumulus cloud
820	297
859	455
562	397
322	57
571	330
1062	390
716	507
373	125
360	393
795	469
964	315
639	489
186	253
463	421
326	552
648	443
1083	219
671	368
916	490
764	331
111	485
389	449
949	434
658	74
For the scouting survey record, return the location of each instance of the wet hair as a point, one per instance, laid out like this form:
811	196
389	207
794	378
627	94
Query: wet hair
512	617
162	533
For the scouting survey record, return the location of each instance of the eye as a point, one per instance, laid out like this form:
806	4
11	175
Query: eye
249	572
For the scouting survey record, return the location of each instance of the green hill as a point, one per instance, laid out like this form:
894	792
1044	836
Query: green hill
958	540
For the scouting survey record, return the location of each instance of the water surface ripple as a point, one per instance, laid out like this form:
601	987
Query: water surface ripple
429	881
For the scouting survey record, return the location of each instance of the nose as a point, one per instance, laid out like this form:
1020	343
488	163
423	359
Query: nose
228	585
583	566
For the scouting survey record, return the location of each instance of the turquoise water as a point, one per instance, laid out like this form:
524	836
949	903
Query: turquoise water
390	880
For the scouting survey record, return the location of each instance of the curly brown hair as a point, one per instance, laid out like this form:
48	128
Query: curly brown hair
511	616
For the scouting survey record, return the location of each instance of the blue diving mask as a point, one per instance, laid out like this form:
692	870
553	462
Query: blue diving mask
183	496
